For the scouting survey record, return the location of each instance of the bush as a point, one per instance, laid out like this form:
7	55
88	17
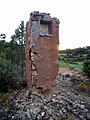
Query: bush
82	87
73	78
86	68
8	76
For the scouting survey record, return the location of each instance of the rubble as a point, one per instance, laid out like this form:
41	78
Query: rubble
34	106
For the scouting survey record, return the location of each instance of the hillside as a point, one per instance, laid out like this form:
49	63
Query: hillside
71	100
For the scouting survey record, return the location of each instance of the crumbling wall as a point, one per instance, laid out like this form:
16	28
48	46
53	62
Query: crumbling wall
42	39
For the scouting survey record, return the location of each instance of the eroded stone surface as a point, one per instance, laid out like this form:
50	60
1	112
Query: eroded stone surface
42	51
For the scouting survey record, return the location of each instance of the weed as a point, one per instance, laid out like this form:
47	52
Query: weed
82	86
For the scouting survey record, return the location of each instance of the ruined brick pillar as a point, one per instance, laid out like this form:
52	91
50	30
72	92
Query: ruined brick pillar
42	40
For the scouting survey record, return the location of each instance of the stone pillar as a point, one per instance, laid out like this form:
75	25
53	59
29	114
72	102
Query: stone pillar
42	40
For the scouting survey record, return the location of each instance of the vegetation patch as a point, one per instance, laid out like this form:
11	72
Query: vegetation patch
77	65
60	118
78	58
4	99
82	87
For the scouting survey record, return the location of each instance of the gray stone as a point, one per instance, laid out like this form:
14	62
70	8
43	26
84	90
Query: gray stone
45	17
28	113
50	118
61	113
2	112
39	117
43	114
82	106
49	111
81	117
88	116
57	20
3	115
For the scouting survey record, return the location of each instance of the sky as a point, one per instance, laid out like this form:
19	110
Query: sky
74	16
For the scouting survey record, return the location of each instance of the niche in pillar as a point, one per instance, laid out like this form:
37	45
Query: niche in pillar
45	28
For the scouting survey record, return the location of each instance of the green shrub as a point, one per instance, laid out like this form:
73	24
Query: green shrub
4	99
73	78
8	76
82	86
86	68
60	118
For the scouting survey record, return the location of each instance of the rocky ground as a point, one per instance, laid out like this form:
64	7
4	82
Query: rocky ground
68	104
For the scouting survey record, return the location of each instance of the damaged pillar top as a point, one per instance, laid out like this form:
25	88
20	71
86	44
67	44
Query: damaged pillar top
42	39
40	25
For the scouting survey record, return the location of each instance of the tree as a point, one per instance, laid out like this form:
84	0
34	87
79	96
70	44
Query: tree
8	75
20	37
2	36
8	70
12	60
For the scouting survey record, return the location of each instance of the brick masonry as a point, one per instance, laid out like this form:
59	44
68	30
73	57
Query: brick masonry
42	40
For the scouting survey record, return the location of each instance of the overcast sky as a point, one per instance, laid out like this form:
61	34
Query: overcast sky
74	16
